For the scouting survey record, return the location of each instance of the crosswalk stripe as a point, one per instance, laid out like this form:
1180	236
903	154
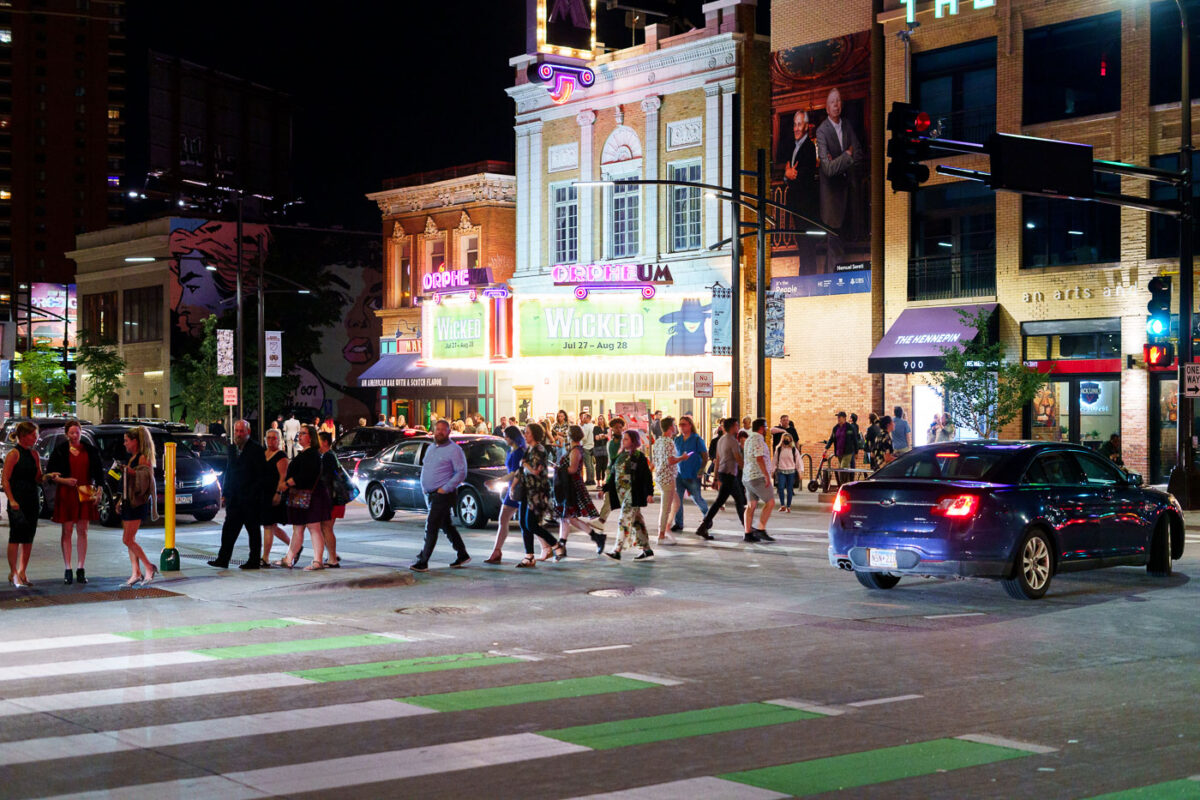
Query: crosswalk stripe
209	787
125	637
1184	789
708	788
527	693
57	642
146	693
408	666
869	767
300	646
179	733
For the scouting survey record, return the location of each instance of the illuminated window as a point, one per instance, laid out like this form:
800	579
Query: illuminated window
5	194
685	207
469	251
624	216
143	314
114	113
404	287
99	317
114	180
5	36
566	223
433	260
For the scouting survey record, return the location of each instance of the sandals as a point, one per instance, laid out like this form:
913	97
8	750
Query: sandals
560	551
546	554
314	566
129	584
283	562
528	562
333	564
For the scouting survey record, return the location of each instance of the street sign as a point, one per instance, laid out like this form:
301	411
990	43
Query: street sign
1191	380
231	395
702	384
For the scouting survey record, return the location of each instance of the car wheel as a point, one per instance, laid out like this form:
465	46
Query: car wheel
877	580
108	510
469	510
377	503
1159	564
205	516
1033	569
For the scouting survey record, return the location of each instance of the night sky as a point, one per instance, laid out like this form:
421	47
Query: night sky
381	88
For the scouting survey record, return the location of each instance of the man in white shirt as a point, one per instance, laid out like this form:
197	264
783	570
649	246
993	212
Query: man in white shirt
588	444
200	426
756	477
291	429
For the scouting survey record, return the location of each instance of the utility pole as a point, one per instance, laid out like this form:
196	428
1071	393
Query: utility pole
735	249
240	373
1183	481
760	293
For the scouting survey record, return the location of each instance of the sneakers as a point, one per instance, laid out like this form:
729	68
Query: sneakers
615	555
645	555
600	539
751	538
766	537
418	566
460	562
703	533
676	528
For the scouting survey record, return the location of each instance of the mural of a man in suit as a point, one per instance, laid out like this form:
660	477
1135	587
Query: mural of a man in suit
838	151
800	175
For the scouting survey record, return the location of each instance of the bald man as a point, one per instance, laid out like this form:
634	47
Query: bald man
241	494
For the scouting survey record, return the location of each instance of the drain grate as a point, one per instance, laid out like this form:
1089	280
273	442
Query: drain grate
626	591
438	610
75	598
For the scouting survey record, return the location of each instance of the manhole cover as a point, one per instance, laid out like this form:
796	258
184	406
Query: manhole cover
73	598
438	610
626	591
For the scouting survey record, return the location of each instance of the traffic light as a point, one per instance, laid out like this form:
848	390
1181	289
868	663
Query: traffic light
907	148
1159	355
1158	324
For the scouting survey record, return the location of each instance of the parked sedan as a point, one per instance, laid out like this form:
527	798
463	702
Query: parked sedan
212	450
391	481
355	445
1020	512
197	488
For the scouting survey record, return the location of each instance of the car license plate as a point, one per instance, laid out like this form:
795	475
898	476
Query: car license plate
881	558
186	499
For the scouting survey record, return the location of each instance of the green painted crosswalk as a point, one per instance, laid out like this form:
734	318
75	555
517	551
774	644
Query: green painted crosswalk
874	766
408	666
622	733
202	630
527	693
1186	789
298	646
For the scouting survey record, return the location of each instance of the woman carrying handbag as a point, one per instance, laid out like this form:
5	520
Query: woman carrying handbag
75	467
308	501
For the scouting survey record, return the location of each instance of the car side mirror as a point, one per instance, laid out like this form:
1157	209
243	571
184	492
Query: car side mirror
1133	479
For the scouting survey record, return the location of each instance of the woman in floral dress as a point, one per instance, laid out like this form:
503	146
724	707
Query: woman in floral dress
536	503
577	504
629	477
558	433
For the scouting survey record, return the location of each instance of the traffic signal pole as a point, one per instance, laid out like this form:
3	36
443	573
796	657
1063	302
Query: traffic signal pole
1183	482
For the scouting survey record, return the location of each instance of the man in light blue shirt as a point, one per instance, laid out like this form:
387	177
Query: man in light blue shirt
443	470
901	432
690	469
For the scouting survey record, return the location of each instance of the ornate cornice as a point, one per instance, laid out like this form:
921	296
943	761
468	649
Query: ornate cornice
484	187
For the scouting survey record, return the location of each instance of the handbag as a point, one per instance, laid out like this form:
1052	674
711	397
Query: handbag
302	498
344	491
87	494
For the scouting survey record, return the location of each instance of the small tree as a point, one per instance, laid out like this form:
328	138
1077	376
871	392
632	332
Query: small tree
201	388
43	376
105	371
982	390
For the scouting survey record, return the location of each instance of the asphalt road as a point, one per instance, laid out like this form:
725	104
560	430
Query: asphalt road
719	670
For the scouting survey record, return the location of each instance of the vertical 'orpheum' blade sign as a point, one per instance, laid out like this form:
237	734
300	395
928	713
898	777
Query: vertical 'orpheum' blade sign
563	27
224	352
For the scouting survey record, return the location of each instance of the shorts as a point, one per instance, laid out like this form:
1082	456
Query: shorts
758	489
131	513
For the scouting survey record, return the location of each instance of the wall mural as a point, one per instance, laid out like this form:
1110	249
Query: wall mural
329	384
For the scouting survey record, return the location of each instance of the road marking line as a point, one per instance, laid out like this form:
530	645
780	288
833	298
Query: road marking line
408	666
523	693
1012	744
55	642
707	788
963	614
132	661
208	730
210	787
805	705
661	680
880	701
146	693
597	649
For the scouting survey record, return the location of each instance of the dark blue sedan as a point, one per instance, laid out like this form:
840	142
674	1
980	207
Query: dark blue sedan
1019	512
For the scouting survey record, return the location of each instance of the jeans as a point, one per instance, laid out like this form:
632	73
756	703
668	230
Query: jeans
440	508
531	525
692	487
785	481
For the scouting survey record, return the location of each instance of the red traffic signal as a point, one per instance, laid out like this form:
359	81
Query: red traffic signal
1159	355
907	147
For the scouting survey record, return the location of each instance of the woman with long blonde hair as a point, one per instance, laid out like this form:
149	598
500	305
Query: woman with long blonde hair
138	500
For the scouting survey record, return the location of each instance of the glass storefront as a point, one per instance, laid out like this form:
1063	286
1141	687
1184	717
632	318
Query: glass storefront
1083	410
1164	422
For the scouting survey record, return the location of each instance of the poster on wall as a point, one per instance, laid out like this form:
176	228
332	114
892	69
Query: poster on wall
722	321
773	344
224	351
820	119
456	330
56	300
615	326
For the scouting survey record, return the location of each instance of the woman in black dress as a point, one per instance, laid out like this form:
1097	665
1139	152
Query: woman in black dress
304	473
21	477
274	508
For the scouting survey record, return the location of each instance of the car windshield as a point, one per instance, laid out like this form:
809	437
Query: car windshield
485	454
931	464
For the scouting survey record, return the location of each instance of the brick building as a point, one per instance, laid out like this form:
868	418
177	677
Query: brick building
449	249
614	284
1067	279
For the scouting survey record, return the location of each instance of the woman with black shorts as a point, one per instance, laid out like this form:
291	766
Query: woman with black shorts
21	477
137	499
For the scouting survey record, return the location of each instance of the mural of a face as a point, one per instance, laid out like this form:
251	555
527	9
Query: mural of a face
196	244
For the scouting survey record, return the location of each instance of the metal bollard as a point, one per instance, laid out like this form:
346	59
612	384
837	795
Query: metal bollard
169	560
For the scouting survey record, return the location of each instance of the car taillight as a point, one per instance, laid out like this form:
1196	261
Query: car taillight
840	503
961	506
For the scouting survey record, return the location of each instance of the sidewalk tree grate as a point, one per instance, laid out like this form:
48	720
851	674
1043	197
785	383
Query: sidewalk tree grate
626	591
432	611
74	598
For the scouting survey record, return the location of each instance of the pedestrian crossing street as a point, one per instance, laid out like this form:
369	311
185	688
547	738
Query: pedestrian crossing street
229	658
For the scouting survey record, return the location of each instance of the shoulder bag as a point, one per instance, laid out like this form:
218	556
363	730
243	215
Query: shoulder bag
302	498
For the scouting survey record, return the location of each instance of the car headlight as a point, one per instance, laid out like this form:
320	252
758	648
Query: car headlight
208	479
497	486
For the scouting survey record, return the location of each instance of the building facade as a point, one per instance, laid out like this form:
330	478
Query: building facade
449	245
622	291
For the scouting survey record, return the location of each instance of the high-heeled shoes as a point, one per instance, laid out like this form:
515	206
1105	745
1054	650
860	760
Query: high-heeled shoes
129	584
560	550
527	562
494	558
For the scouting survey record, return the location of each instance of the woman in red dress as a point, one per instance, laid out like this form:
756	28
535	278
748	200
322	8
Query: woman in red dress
75	467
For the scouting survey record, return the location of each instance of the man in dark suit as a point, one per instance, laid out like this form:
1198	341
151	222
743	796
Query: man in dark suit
241	494
800	176
838	150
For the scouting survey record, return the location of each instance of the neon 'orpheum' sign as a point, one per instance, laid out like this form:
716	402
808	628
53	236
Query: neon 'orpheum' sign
611	277
447	279
942	7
